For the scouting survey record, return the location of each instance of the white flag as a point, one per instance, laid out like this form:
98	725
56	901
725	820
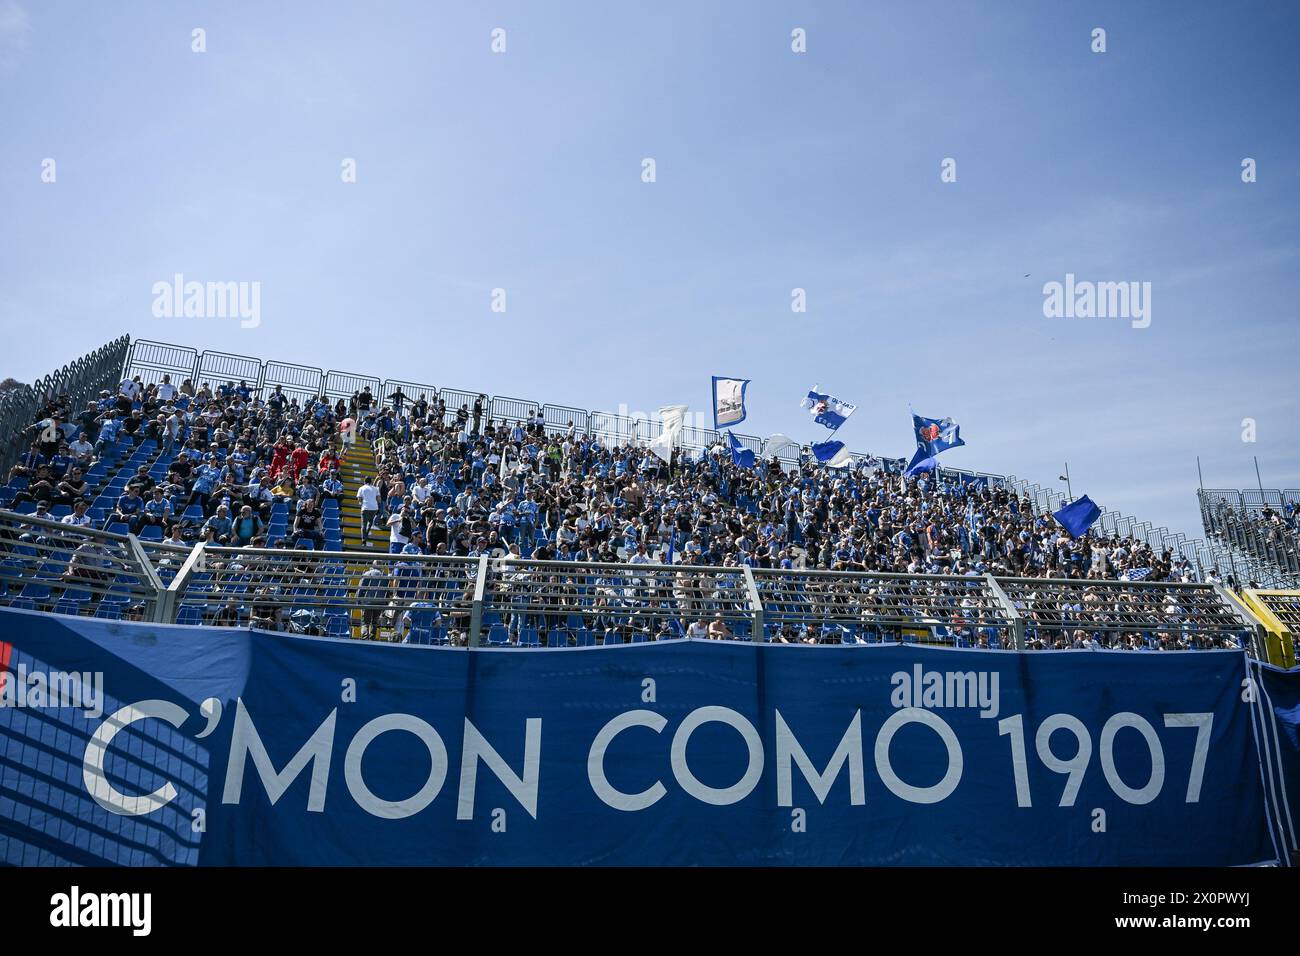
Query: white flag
672	417
779	443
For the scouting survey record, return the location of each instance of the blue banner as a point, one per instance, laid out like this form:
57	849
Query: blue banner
1277	706
178	745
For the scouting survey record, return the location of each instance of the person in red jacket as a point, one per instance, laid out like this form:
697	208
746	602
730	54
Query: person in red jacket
328	462
279	459
300	457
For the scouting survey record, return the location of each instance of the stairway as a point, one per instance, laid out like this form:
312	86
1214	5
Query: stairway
354	468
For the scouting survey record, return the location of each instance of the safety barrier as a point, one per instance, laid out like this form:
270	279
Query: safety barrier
50	566
1279	612
46	565
80	380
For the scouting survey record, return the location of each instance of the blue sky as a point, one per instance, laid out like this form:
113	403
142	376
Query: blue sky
775	170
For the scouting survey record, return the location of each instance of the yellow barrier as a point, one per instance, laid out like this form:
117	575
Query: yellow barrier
1279	612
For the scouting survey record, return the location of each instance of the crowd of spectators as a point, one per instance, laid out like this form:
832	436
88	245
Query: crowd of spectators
224	458
462	484
457	482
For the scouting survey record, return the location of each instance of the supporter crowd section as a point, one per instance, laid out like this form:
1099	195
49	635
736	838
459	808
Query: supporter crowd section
1263	523
229	465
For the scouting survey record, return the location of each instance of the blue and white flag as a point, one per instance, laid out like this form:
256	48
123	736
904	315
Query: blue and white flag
936	434
832	454
827	410
741	456
728	401
1136	574
922	461
1078	516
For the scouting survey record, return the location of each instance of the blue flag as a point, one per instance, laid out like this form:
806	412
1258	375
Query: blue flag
728	401
922	461
936	434
741	456
1078	516
827	410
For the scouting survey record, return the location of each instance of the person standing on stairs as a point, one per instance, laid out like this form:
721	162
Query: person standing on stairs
368	496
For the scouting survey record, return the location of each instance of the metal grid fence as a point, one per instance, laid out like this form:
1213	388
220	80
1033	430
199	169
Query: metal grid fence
47	565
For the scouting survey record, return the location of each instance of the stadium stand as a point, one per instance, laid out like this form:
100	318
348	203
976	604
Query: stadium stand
1262	523
336	503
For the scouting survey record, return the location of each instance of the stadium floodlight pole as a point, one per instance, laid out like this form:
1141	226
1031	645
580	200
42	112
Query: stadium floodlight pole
1069	489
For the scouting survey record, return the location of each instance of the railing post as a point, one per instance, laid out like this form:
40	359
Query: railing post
755	606
196	560
150	576
475	636
1009	609
1259	644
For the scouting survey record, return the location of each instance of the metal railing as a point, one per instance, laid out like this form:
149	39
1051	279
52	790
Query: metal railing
1158	615
80	380
47	565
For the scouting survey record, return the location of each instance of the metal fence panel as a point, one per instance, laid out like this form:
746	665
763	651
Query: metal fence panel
152	360
513	410
46	565
456	397
297	381
343	384
413	391
551	603
410	598
217	368
557	419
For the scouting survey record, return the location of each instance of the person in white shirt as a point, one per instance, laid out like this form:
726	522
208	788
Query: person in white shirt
79	517
368	495
421	491
80	449
698	630
131	388
166	390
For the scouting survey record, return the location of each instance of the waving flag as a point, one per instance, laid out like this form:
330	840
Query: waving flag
741	456
936	434
922	461
827	410
1078	516
776	444
728	401
672	417
832	454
